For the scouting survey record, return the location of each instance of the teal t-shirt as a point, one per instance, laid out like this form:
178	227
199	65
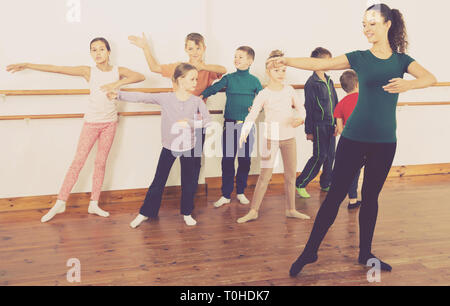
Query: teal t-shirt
374	117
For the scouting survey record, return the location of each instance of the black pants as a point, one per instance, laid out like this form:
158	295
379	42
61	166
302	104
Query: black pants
324	146
152	201
349	159
230	143
198	151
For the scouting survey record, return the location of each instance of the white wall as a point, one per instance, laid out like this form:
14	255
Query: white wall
35	155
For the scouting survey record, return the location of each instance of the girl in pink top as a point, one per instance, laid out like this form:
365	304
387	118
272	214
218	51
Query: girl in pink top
100	119
278	101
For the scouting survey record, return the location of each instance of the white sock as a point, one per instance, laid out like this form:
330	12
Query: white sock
243	199
58	208
94	209
138	220
222	201
189	220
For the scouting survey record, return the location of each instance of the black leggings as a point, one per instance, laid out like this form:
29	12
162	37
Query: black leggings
153	199
349	159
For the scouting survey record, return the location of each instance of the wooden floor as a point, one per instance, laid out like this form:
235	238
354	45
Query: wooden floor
412	234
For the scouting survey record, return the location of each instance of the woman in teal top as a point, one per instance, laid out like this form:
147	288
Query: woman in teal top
371	129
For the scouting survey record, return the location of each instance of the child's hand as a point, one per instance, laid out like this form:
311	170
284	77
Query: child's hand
397	85
112	95
310	137
339	126
140	42
183	123
296	122
243	139
109	87
337	131
249	109
16	67
198	116
200	65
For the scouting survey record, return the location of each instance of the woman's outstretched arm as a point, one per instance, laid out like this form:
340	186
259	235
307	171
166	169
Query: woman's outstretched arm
314	64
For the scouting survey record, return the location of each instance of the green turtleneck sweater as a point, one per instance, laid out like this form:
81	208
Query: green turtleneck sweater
241	89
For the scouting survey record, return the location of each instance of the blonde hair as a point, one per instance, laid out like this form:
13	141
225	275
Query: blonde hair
273	54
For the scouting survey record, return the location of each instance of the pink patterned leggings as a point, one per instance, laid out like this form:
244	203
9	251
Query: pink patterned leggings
104	132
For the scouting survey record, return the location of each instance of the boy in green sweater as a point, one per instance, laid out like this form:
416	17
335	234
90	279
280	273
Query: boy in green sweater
241	89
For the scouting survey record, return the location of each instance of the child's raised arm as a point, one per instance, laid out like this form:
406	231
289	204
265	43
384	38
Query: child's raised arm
82	71
213	68
142	42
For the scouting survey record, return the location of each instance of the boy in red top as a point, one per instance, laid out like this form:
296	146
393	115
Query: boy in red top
349	82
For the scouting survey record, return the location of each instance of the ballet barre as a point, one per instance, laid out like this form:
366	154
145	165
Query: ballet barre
52	92
72	92
4	93
71	116
156	113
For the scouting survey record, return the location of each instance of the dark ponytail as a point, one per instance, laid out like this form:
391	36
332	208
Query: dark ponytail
397	36
397	33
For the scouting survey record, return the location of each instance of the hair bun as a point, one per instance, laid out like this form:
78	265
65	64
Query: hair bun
276	53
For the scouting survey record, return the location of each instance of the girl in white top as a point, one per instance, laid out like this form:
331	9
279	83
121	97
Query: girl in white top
100	108
100	120
283	113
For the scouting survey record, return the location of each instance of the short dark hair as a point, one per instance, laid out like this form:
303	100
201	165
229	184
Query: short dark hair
320	52
195	37
349	80
102	40
181	70
250	52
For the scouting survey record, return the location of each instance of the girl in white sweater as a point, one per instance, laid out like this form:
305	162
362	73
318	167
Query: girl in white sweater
283	113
